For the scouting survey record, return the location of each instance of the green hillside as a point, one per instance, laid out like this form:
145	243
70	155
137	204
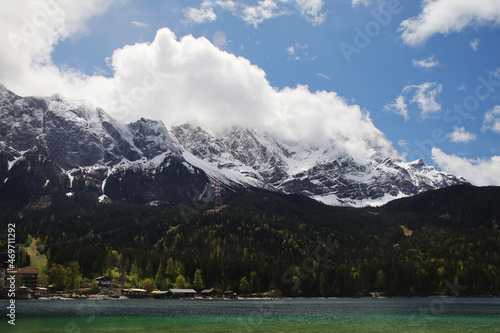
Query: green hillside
439	242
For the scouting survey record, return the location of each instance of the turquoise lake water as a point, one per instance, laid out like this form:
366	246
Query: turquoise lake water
285	315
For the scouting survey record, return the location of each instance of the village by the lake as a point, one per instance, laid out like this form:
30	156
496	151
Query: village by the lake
101	288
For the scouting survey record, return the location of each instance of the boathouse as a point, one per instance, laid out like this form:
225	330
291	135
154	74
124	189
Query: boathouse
103	281
207	293
183	293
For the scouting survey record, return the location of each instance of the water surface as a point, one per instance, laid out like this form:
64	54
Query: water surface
285	315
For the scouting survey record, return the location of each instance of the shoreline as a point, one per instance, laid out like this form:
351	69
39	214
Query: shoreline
104	298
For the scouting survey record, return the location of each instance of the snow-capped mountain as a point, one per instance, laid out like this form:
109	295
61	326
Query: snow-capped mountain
70	145
326	173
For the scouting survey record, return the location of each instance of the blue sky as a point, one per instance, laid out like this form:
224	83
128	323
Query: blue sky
419	68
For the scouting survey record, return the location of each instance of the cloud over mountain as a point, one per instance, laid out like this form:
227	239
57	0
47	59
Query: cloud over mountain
479	171
188	80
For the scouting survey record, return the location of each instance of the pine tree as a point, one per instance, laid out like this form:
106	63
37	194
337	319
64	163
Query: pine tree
244	285
198	280
160	276
180	282
254	282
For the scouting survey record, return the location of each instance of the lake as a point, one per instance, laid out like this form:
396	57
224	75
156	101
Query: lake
283	315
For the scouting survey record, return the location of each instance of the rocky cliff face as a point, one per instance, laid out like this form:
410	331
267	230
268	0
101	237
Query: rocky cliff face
81	148
58	144
324	173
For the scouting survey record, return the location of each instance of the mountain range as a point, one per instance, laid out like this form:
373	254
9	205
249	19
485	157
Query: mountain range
52	144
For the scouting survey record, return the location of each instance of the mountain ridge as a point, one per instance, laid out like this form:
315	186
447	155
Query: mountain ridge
144	162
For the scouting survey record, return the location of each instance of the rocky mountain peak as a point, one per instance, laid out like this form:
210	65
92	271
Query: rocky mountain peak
85	149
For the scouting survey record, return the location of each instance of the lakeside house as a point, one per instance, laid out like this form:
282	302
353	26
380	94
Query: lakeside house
103	281
26	277
40	291
209	293
229	295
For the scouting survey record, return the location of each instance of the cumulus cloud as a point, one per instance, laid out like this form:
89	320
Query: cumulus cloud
460	135
492	120
446	16
427	63
201	15
266	9
399	107
29	30
481	172
423	96
191	80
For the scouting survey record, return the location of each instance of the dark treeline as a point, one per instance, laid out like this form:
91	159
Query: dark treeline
440	242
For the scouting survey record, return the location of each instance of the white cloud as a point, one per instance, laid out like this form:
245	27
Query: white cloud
423	95
266	9
189	80
403	143
300	52
474	44
312	10
492	120
227	5
201	15
398	107
29	30
139	24
481	172
427	63
324	76
446	16
460	135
